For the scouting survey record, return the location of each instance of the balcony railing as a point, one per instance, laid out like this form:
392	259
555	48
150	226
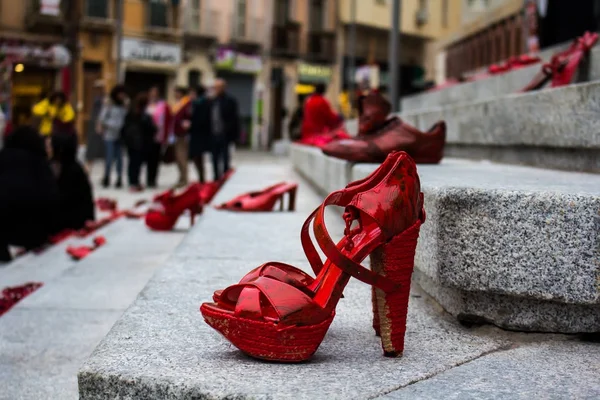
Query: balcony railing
321	46
202	22
248	29
285	40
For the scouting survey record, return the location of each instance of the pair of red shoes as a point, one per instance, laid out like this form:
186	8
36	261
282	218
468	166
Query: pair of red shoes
278	312
12	295
80	252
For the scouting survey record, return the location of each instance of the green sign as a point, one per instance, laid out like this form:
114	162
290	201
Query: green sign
313	73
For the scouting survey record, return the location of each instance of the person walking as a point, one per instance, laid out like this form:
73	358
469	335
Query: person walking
41	114
181	125
138	134
109	125
159	111
224	127
199	130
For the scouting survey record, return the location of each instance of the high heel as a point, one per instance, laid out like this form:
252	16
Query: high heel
263	200
295	276
285	320
168	207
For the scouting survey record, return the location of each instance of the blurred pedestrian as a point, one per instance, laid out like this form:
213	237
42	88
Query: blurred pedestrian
29	194
160	112
76	201
199	130
181	124
138	135
224	127
62	114
2	126
319	117
109	125
94	147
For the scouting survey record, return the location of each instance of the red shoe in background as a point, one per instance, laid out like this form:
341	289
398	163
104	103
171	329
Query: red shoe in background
79	252
106	204
12	295
286	321
168	207
263	200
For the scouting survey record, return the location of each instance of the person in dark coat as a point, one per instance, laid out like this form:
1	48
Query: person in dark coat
224	127
76	200
138	134
29	195
199	130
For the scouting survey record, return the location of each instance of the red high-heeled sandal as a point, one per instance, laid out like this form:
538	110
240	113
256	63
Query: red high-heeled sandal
292	275
168	207
275	320
263	200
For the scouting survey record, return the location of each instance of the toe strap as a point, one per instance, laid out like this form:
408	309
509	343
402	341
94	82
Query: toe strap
271	300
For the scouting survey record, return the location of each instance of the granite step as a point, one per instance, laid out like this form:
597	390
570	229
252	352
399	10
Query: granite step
513	246
46	337
162	349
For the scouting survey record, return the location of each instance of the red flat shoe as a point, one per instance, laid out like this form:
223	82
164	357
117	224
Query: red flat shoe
106	204
168	207
273	320
263	200
12	295
295	276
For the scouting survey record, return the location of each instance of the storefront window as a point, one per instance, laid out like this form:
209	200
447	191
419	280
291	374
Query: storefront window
158	12
96	8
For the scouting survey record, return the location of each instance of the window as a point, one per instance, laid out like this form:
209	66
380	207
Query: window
194	15
158	12
282	12
317	15
445	13
96	8
240	24
194	78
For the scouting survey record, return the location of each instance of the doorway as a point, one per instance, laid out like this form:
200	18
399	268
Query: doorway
136	82
93	93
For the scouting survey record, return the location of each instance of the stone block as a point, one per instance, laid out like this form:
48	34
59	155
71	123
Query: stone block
327	174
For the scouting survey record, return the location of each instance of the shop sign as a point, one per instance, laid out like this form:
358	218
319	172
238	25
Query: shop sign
313	73
54	56
50	7
148	50
230	60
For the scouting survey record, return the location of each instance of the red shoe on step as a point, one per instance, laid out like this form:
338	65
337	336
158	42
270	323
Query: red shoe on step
263	200
168	207
295	276
285	319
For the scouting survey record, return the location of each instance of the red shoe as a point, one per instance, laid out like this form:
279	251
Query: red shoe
106	204
263	200
79	252
274	320
562	67
168	207
12	295
297	277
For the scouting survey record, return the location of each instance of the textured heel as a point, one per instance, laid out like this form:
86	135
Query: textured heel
394	260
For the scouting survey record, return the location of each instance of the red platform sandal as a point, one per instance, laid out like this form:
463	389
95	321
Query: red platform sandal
286	319
168	207
263	200
297	277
